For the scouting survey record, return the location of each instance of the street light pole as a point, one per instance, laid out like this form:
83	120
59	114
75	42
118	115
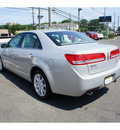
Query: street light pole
49	9
118	21
114	20
39	18
79	9
104	16
33	17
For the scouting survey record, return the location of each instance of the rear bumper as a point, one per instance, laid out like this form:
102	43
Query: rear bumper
100	37
97	80
73	84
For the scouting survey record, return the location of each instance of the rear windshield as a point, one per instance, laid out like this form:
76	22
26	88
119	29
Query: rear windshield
62	38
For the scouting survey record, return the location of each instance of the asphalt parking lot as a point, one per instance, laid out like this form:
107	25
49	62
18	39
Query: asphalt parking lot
19	102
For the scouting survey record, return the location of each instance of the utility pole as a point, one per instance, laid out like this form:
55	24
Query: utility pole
107	29
69	21
49	9
106	23
39	18
79	9
114	20
33	17
118	21
104	16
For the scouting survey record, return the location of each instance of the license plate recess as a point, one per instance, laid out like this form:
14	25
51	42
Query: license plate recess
108	80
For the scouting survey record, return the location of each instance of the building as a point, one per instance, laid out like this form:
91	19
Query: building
10	24
19	31
4	32
64	26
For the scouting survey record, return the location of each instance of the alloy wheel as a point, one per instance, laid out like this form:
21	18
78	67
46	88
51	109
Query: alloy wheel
40	85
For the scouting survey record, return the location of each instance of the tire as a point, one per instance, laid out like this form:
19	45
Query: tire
41	85
1	65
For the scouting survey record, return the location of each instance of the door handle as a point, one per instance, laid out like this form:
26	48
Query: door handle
31	56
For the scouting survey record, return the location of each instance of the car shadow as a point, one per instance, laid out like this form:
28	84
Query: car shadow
59	101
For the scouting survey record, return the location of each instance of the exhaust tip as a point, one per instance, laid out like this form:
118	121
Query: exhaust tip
90	93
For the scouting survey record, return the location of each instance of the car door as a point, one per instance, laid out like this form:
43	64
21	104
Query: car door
8	53
25	55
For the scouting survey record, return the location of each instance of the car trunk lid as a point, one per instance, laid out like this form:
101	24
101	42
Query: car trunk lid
95	49
108	63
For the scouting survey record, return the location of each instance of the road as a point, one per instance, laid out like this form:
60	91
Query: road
19	103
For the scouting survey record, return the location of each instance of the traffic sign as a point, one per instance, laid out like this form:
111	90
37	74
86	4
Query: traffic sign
105	19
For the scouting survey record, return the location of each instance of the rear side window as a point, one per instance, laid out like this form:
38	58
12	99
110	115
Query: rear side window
15	41
30	40
37	44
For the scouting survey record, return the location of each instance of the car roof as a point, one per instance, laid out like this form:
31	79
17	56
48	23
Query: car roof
45	31
53	30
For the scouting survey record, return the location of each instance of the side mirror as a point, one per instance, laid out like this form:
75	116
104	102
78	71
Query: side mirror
4	45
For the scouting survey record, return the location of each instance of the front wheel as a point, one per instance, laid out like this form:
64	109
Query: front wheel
41	85
1	65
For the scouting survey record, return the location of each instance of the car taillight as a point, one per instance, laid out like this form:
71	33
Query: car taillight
83	59
114	53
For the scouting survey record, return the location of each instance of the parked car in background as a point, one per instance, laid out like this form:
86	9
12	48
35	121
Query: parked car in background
99	35
83	33
63	62
116	33
92	35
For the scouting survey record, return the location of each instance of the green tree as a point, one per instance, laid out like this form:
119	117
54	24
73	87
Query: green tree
94	25
65	21
5	26
83	29
118	29
84	23
54	22
12	29
18	27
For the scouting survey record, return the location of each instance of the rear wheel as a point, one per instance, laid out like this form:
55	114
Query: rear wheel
41	85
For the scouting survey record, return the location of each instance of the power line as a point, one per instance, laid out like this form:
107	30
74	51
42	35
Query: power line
17	8
97	11
59	15
40	8
87	13
72	19
63	12
62	15
27	8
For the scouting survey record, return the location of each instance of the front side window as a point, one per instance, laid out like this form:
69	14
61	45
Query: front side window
15	41
62	38
30	41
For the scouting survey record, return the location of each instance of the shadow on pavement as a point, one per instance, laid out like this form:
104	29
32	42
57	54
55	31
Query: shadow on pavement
58	101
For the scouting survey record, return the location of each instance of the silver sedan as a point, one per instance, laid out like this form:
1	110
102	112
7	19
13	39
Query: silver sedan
64	62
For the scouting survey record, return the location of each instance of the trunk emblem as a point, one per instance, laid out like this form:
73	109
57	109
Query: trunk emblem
108	56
